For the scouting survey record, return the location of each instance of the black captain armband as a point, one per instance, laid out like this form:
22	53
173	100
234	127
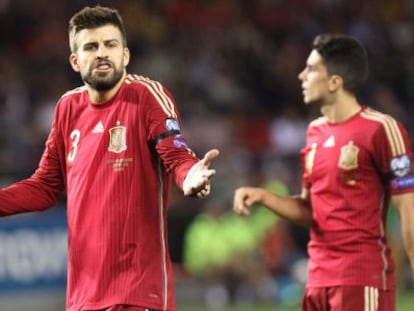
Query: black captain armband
165	135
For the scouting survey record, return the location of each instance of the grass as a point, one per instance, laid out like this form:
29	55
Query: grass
405	302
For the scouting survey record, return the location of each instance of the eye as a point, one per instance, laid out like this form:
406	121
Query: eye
90	47
111	44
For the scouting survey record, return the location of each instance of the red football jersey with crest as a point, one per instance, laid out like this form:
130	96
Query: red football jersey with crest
115	161
351	169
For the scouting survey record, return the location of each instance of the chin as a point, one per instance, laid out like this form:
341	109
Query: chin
307	101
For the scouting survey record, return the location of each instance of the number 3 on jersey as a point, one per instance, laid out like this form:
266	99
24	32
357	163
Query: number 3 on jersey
74	136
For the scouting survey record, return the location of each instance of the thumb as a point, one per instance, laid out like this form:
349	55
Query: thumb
210	155
249	201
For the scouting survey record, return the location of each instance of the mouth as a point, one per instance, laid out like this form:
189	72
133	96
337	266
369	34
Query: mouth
103	67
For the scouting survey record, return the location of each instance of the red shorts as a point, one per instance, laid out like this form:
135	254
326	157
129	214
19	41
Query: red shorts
348	298
126	308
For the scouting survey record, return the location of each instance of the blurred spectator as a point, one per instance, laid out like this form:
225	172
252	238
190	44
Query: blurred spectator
222	248
288	132
232	65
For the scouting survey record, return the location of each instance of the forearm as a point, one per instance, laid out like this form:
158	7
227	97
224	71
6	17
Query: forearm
408	240
292	208
177	161
28	195
405	206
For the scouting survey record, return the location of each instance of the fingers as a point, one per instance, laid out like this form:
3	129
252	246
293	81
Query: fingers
204	192
241	202
210	156
209	173
243	211
197	181
204	163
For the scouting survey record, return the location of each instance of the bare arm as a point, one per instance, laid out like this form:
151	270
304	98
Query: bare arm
294	208
404	203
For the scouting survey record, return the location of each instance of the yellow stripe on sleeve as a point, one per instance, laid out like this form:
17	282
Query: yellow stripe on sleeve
393	132
156	89
162	98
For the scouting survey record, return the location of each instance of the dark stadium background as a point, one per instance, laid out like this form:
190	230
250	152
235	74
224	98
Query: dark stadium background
232	66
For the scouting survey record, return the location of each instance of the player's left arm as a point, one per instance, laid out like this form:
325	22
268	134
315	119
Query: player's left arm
191	174
394	156
399	163
404	203
197	179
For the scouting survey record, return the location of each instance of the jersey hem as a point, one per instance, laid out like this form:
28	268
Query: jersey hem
99	306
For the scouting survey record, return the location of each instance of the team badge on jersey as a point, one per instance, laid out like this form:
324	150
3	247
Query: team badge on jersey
348	159
117	138
400	166
172	124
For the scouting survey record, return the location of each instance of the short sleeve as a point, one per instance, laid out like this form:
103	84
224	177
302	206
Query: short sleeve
393	156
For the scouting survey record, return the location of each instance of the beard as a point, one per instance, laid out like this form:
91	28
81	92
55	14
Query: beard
103	83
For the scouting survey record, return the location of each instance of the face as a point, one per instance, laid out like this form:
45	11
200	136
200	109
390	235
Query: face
315	80
100	57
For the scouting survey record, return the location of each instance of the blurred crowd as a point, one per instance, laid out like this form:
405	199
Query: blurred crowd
232	67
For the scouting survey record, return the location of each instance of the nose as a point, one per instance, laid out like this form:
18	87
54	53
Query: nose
101	53
301	75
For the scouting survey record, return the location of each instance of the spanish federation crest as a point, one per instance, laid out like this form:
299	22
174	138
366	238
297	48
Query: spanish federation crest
117	138
348	159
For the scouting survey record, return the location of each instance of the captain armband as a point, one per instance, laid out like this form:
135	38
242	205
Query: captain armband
165	135
401	173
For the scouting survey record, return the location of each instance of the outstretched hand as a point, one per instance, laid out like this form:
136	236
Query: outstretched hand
244	198
197	181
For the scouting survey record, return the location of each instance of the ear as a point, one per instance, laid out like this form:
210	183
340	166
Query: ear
73	60
335	82
127	56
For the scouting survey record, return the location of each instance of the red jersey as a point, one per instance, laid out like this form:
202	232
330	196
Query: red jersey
115	161
351	169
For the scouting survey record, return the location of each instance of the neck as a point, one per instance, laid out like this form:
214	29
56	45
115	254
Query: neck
341	109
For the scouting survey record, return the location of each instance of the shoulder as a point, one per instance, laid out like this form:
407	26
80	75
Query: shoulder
70	95
382	124
378	118
151	93
144	84
317	122
387	128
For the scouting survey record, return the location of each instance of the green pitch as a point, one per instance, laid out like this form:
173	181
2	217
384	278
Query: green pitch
405	303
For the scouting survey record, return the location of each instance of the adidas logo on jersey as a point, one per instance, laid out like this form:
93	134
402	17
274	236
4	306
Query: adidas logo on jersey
99	128
330	142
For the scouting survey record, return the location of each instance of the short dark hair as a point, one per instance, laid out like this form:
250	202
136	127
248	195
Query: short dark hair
345	56
94	17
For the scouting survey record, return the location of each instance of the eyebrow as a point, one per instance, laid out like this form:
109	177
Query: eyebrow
105	41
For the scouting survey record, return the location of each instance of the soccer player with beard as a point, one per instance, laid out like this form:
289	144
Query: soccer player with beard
114	146
355	161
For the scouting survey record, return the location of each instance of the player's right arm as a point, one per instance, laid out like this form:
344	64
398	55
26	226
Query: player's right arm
293	208
40	191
